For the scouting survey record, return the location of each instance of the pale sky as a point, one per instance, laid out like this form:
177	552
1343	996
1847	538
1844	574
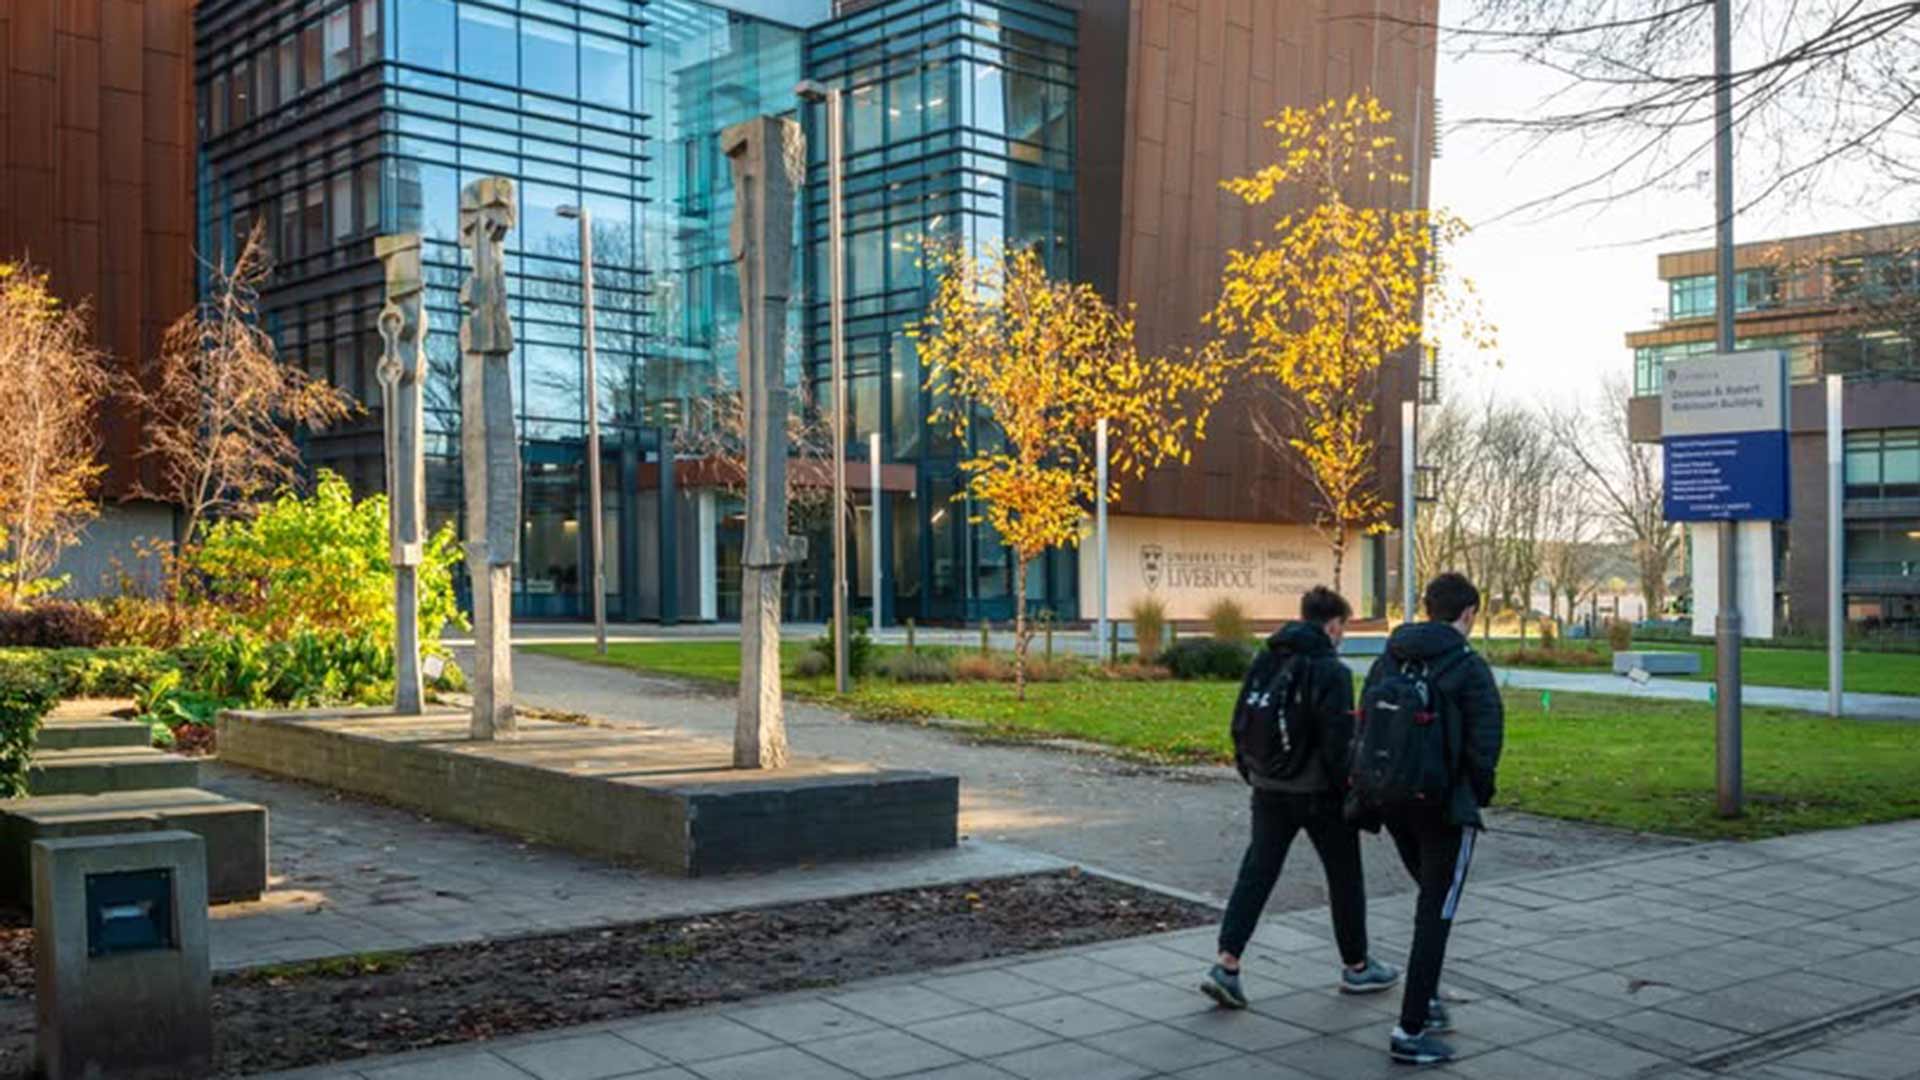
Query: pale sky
1564	290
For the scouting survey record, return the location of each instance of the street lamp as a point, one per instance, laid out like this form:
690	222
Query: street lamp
813	91
595	532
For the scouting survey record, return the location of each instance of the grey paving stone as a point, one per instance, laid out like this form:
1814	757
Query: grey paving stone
462	1066
804	1020
1072	974
1563	1000
581	1057
884	1053
1152	999
1590	1053
1069	1059
671	1072
1509	1064
696	1038
1840	1059
971	1070
989	989
1679	1032
898	1005
1328	1014
1331	1057
1244	1067
1071	1017
1631	991
1504	1023
981	1034
1152	961
1160	1047
780	1063
1242	1030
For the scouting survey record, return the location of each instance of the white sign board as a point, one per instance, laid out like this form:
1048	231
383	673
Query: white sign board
1725	393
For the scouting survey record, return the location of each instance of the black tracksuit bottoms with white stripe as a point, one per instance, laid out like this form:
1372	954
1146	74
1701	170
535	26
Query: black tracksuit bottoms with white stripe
1437	854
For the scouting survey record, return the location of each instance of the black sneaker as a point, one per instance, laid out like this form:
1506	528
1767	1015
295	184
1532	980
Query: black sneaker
1223	987
1425	1048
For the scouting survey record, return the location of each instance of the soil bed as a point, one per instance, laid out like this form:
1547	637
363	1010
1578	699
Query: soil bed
290	1016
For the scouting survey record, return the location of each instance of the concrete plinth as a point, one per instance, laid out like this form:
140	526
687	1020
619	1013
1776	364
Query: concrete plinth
658	798
1657	663
235	834
61	733
97	770
110	1004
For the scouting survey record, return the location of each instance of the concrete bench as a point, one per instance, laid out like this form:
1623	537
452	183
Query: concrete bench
92	733
98	770
235	833
1657	663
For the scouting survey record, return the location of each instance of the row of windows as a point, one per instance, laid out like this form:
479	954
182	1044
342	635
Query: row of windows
1753	290
1855	277
595	63
1883	464
1650	361
274	73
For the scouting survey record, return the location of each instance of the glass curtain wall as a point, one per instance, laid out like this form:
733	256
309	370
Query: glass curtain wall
959	129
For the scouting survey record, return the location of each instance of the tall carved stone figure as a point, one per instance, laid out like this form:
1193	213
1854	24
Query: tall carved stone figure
489	452
768	156
403	364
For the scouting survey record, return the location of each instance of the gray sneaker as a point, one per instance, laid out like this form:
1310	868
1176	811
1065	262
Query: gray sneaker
1426	1048
1439	1020
1370	979
1223	987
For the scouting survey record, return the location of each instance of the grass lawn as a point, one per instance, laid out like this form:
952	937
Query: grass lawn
1802	669
1627	762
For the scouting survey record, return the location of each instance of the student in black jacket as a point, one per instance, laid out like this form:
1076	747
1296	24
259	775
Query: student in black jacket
1309	800
1436	843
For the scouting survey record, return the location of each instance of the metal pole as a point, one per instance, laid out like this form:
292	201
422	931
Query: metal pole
597	530
1409	490
837	257
1836	553
873	506
1100	535
1727	622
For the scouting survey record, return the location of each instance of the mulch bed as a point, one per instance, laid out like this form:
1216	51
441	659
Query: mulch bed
296	1015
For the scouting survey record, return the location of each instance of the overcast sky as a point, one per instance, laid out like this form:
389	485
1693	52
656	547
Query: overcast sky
1563	290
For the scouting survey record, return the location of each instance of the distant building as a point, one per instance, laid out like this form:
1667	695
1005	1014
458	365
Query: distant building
1844	303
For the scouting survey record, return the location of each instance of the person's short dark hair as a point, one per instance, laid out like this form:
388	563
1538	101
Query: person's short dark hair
1322	605
1449	596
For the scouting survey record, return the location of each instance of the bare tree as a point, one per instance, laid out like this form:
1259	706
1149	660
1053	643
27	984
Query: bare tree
1570	564
716	432
1823	89
53	380
1447	447
1624	480
220	408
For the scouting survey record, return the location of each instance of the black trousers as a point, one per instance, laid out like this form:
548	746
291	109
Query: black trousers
1437	855
1277	818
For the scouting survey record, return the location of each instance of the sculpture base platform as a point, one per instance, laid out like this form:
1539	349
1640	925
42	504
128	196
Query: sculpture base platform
669	801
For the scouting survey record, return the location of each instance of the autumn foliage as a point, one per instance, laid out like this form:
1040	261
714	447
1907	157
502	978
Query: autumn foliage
1021	368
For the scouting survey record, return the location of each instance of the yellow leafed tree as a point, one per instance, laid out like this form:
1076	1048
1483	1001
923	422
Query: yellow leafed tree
1022	368
1341	287
52	381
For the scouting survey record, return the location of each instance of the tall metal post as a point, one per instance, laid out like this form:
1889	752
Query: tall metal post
596	532
1409	486
1729	800
810	90
873	505
1836	550
1102	629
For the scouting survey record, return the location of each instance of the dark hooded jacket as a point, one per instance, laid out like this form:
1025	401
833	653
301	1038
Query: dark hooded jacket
1327	697
1473	707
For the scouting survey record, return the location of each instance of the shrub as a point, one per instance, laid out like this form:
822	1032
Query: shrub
114	672
51	624
1208	658
131	619
1620	635
859	648
307	670
812	664
977	667
1228	620
1134	671
27	693
1149	616
915	667
1549	634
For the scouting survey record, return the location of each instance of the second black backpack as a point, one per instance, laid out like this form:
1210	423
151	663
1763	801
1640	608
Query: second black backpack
1272	737
1405	753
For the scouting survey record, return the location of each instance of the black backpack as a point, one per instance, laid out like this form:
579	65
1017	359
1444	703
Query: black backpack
1273	739
1404	754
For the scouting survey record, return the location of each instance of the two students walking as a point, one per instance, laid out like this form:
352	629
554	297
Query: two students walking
1417	758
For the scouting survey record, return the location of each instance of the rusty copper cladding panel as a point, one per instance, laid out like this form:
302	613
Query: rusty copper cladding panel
96	169
1199	78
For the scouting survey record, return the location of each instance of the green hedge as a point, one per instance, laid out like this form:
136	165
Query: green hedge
28	691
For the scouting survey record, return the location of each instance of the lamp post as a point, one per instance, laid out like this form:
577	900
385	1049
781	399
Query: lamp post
811	90
597	556
1729	799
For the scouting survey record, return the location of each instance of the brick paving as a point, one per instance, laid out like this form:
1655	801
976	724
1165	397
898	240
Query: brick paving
1789	959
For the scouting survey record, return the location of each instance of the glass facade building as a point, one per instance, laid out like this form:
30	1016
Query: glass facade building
325	123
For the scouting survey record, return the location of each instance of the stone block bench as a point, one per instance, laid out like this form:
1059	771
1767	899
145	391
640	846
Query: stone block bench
235	833
98	770
92	733
1657	663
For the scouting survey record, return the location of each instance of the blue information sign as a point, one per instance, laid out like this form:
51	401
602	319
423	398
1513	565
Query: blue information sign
1739	476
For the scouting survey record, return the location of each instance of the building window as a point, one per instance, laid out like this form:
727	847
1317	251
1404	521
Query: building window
1883	553
366	14
427	34
489	44
550	55
1883	464
1694	297
312	68
339	43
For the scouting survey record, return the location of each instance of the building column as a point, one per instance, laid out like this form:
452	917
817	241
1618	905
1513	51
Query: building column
629	553
669	534
883	557
707	544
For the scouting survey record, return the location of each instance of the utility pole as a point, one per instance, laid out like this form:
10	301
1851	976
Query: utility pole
1836	545
1100	537
1729	799
595	531
1409	493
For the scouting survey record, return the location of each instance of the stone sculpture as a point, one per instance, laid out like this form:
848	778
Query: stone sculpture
489	451
403	366
768	157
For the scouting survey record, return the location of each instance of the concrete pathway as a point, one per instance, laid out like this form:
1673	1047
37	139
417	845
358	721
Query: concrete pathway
1856	706
1791	958
1183	827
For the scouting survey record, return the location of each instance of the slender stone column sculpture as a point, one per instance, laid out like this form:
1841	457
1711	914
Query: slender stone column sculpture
489	454
403	364
769	158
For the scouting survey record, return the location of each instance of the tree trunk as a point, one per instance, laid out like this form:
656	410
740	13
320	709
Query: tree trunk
1339	546
1020	627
